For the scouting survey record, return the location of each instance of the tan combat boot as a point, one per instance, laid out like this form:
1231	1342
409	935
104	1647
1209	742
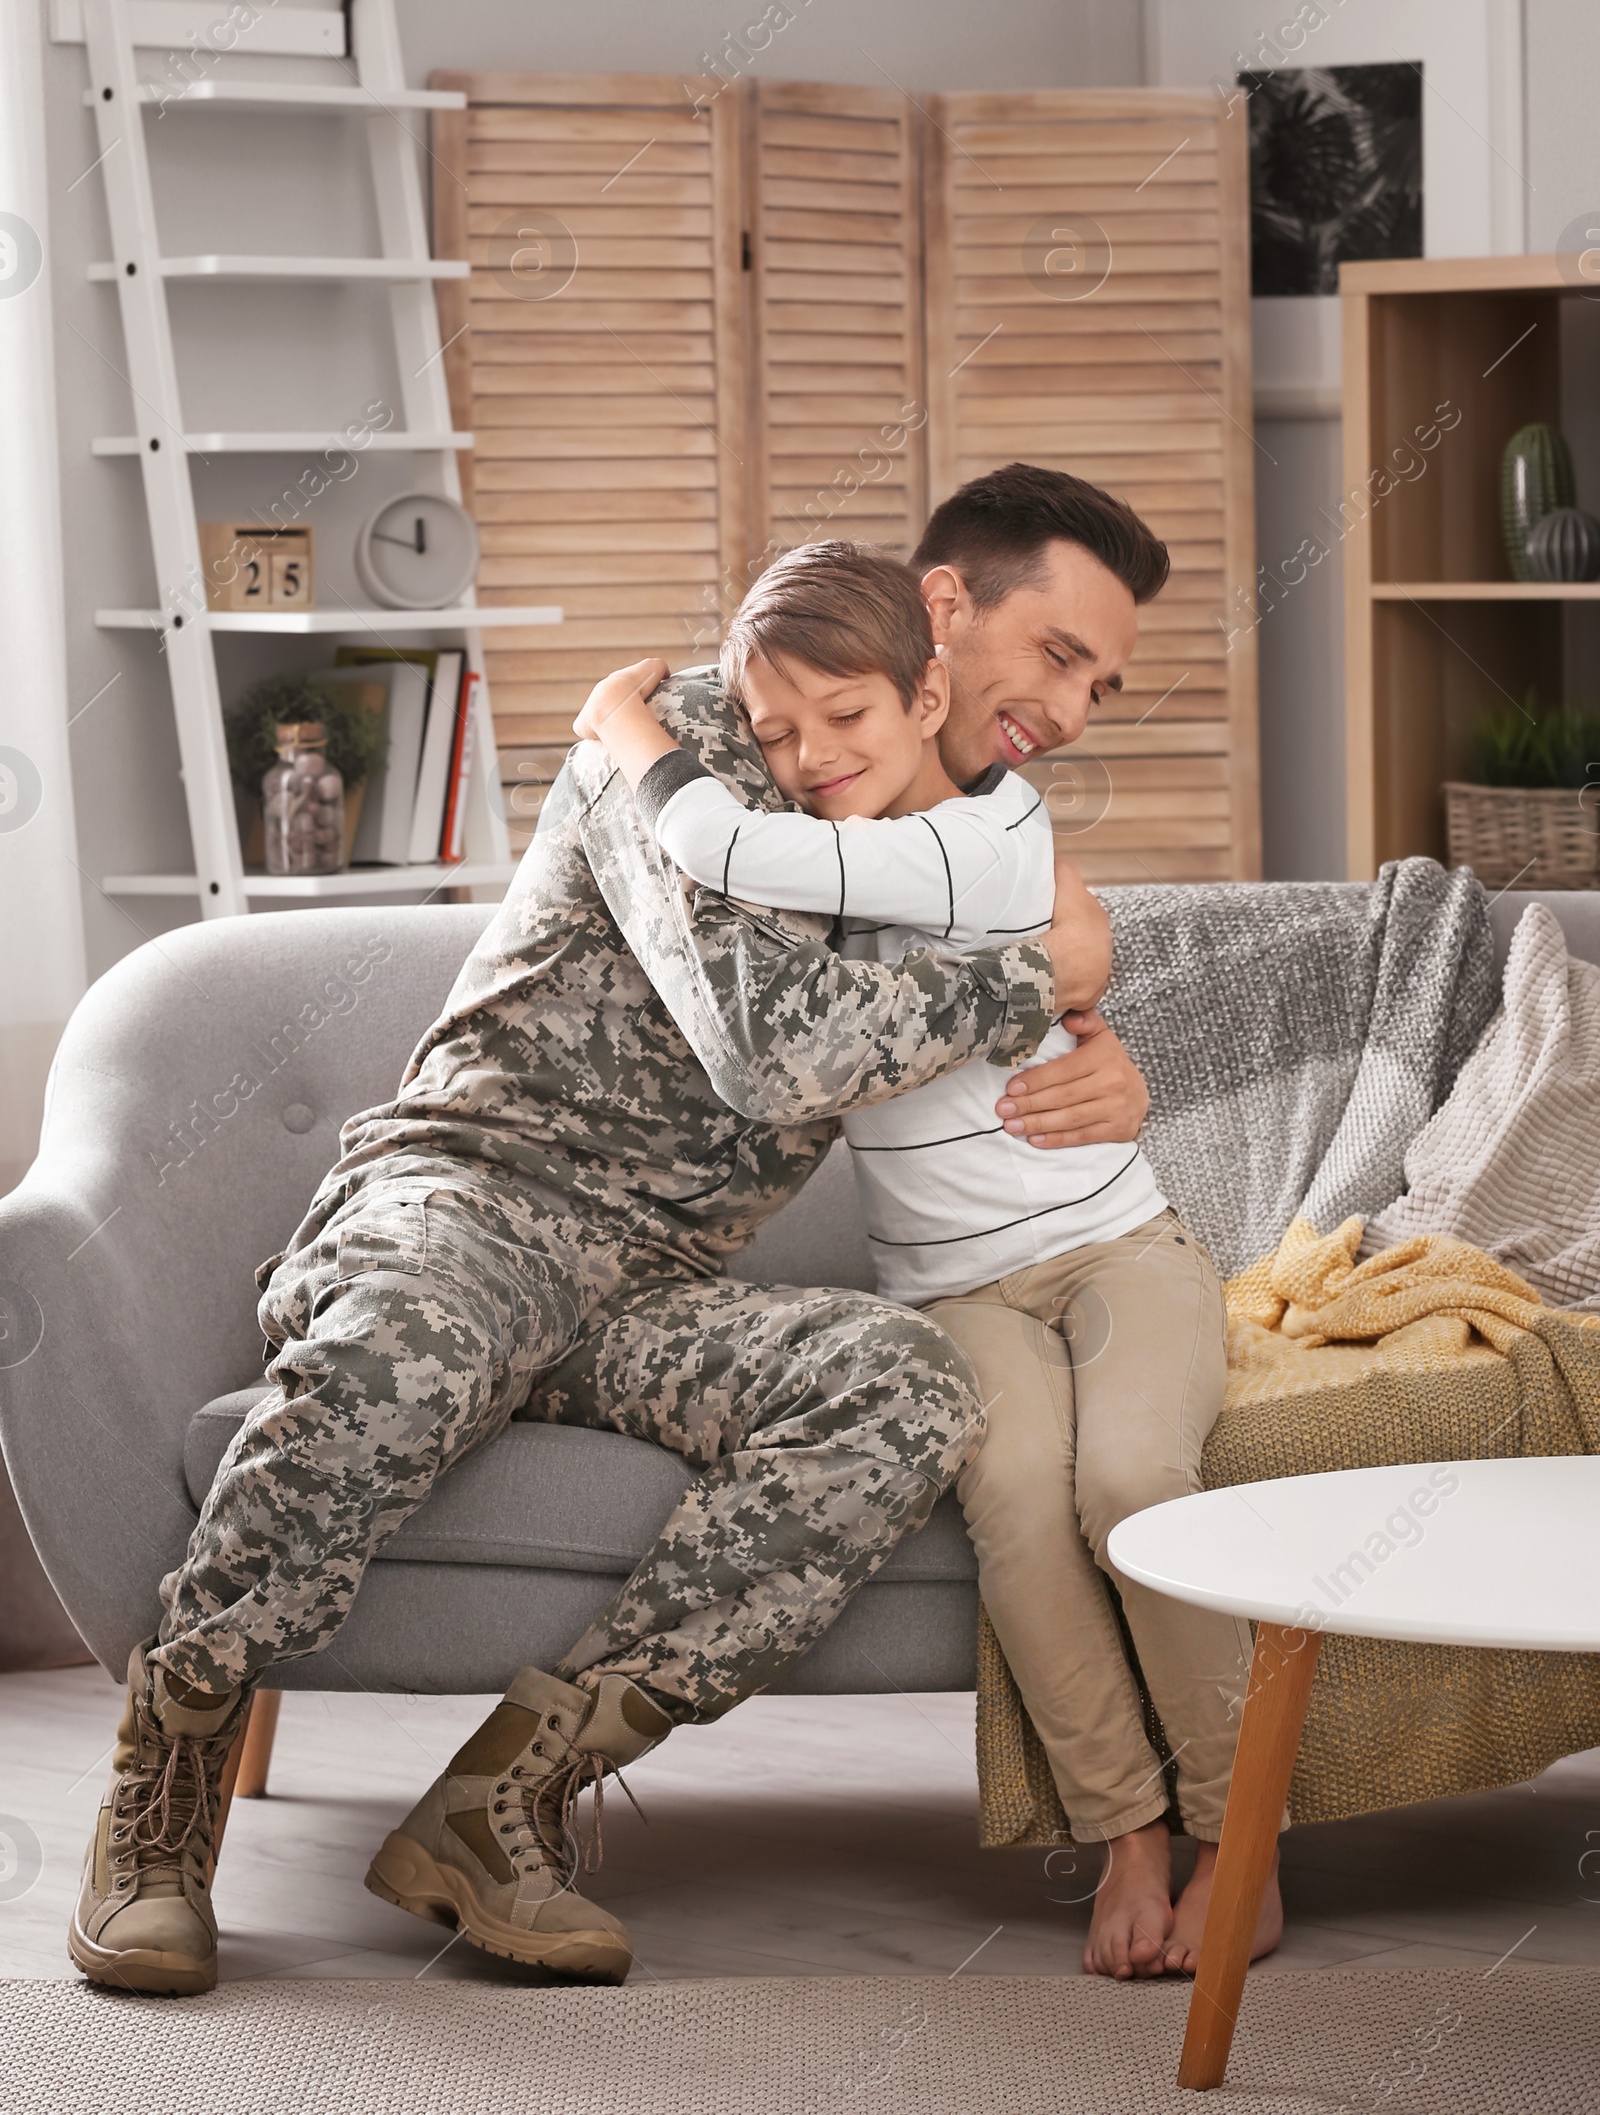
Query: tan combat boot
490	1848
144	1919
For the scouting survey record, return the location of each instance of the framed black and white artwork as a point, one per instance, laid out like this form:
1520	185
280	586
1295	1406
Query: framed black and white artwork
1335	171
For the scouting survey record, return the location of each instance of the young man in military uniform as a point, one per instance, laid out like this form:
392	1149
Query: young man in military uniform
628	1077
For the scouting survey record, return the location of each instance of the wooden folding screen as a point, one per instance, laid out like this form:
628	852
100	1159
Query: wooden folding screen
702	327
837	410
1088	309
599	364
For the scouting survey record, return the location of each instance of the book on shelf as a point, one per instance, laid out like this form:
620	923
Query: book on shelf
403	816
453	837
438	748
383	834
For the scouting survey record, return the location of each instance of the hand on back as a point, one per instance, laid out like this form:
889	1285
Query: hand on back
623	687
1095	1095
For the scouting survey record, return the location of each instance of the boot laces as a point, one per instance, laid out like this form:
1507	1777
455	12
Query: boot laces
167	1806
551	1812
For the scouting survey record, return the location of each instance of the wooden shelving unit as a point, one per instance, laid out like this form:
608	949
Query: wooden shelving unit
1435	627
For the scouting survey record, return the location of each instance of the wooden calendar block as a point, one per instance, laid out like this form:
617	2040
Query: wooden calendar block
289	575
248	567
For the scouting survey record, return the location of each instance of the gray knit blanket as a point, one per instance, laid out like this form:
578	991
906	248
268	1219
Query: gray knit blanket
1296	1037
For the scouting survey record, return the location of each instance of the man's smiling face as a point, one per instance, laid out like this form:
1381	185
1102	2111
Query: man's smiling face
1026	674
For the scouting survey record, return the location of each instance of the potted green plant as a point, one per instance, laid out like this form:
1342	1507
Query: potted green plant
1529	809
358	738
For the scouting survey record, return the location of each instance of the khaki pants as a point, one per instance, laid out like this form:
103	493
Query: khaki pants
1103	1372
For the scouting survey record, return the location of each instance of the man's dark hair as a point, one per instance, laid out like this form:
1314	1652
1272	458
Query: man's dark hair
841	607
995	530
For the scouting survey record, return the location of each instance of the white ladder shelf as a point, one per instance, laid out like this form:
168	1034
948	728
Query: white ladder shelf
113	31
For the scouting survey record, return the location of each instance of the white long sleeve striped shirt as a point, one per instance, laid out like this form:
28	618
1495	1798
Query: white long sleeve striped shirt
952	1200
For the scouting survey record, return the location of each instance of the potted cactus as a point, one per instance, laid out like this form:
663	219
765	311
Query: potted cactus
1535	479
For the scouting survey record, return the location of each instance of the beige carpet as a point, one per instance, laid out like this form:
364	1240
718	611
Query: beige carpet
1520	2041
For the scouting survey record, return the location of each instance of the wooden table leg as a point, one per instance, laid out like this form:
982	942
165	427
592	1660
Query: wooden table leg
256	1759
230	1774
1269	1741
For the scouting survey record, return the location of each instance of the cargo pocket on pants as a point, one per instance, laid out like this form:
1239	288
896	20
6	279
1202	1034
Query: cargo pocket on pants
395	1239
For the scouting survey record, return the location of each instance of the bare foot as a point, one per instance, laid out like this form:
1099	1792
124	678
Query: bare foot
1189	1916
1129	1932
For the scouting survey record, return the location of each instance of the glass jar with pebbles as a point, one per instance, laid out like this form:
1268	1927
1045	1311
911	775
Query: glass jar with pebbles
302	800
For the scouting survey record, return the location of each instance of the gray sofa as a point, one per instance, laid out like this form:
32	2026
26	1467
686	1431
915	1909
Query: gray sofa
129	1352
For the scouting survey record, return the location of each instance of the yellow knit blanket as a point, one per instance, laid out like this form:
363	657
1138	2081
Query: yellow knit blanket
1429	1351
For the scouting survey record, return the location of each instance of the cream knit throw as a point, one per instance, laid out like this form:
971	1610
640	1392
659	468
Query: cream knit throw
1427	1352
1511	1161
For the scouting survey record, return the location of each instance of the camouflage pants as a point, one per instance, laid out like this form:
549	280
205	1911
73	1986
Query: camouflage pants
422	1318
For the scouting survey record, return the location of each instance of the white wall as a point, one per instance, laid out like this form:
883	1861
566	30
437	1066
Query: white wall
1477	190
41	927
918	44
1562	77
1300	648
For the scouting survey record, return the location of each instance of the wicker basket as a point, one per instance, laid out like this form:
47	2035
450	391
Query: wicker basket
1545	837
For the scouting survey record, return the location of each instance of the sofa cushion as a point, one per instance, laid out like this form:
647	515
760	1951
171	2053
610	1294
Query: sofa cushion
559	1498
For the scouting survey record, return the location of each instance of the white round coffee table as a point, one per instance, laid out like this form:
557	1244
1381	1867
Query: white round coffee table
1486	1553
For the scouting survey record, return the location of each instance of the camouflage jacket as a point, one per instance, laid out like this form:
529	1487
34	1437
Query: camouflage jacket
670	1062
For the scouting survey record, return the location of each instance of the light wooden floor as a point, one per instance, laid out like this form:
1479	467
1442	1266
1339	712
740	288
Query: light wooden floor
798	1837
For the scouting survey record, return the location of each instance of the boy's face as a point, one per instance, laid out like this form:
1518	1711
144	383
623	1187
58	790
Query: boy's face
841	745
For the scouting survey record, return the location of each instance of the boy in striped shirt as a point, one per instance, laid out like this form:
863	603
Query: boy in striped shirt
1092	1317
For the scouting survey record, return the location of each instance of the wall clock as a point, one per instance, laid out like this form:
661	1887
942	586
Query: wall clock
418	552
